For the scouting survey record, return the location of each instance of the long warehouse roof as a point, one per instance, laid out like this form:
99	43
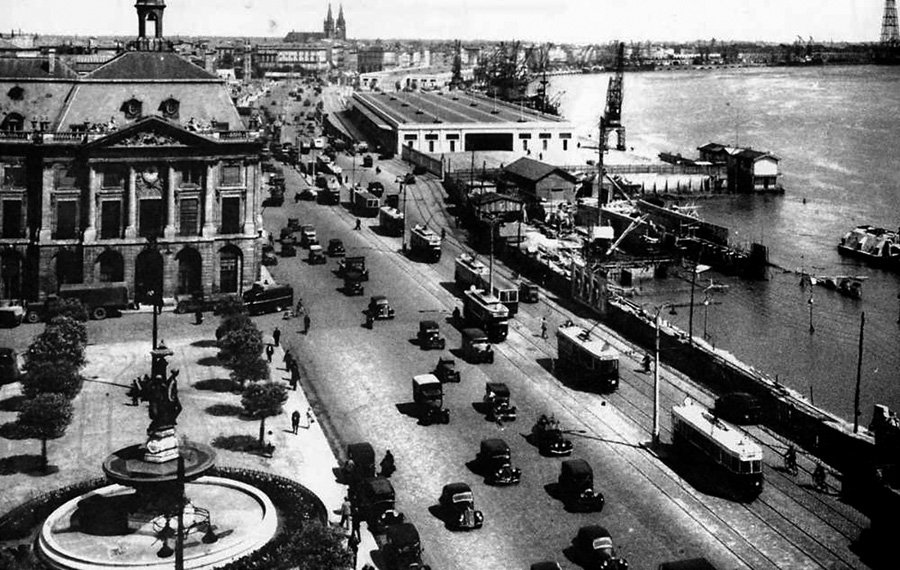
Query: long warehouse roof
455	107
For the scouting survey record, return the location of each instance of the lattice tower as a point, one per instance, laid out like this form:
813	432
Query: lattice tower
890	33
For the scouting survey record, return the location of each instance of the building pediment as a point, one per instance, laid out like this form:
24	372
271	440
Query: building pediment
150	132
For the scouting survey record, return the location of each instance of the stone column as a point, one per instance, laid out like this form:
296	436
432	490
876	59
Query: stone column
90	232
131	228
46	211
209	222
169	231
250	175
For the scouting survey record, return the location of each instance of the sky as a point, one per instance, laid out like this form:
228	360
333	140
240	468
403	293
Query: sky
558	21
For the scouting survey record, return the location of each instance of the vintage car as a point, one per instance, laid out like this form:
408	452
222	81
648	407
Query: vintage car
428	395
376	188
446	370
593	548
548	437
375	499
476	347
286	235
380	308
494	461
316	255
306	193
360	464
12	313
496	397
457	504
335	247
353	283
268	255
308	236
402	548
576	487
202	303
288	250
367	161
353	262
293	224
430	336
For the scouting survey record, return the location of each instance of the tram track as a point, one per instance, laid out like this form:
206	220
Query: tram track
801	535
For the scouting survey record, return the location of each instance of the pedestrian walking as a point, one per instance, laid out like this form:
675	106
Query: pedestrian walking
310	418
543	327
443	233
299	307
270	350
288	358
295	421
646	363
306	323
276	335
358	224
198	317
356	523
345	513
295	376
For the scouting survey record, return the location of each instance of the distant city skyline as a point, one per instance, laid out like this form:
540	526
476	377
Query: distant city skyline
558	21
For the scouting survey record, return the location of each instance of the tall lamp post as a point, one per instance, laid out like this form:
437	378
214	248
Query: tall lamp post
655	435
402	181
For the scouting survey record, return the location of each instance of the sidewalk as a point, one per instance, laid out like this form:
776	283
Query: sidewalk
307	458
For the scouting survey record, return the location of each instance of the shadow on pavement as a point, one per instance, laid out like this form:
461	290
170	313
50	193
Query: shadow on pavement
215	385
246	443
209	361
220	410
12	430
205	343
25	463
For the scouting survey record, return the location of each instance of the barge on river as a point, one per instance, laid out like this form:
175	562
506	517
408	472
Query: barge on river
876	246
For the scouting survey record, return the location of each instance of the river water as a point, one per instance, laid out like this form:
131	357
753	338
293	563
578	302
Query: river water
837	132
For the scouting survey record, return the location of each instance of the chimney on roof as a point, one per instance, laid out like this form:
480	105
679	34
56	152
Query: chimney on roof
51	61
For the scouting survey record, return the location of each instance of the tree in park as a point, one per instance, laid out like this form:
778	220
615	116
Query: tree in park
242	341
249	369
262	400
54	360
44	417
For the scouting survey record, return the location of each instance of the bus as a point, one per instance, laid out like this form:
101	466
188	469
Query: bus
738	460
587	358
483	310
469	272
391	221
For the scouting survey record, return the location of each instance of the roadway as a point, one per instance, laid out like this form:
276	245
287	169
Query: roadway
657	508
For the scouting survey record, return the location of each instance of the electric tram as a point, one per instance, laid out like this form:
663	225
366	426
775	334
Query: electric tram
587	358
487	313
738	460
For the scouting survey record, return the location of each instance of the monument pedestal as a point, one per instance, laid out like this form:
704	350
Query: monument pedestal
162	446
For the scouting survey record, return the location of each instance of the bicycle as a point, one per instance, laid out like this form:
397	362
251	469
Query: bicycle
790	463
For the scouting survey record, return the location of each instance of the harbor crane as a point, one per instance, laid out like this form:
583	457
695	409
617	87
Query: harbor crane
611	121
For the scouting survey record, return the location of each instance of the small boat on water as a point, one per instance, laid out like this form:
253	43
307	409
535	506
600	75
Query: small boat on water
844	284
876	246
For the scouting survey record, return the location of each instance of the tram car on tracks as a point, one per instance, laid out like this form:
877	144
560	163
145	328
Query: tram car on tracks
737	459
587	358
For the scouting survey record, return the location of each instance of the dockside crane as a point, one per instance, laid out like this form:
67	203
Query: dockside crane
611	121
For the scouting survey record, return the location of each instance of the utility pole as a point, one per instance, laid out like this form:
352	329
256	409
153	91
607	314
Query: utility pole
403	187
656	384
179	529
812	329
862	326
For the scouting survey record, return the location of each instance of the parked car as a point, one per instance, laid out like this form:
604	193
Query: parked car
494	460
402	548
360	464
548	437
429	336
316	255
446	370
476	347
375	500
457	503
739	408
380	308
268	256
353	283
268	299
288	250
376	188
12	313
576	487
367	161
428	396
203	303
593	548
335	247
496	397
9	366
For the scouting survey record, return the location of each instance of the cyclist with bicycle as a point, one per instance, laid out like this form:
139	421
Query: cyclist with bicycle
790	460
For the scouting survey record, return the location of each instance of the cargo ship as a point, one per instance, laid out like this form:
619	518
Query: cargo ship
876	246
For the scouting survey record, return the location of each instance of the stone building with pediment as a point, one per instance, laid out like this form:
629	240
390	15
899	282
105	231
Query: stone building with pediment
138	172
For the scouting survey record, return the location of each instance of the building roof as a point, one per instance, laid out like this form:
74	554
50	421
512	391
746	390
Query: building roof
455	107
755	155
535	170
34	68
711	147
491	197
152	66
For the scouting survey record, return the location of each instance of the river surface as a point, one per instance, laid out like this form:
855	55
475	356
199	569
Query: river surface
837	133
